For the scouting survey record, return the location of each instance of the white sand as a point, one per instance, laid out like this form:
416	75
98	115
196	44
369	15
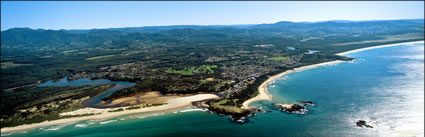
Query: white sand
375	47
174	103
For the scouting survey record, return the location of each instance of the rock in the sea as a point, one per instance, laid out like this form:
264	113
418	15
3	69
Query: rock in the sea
307	103
362	123
240	120
256	110
292	108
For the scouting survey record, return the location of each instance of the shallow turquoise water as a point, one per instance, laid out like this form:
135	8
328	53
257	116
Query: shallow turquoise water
384	86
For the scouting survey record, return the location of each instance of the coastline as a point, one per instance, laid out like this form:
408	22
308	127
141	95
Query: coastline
173	103
262	89
375	47
264	94
181	102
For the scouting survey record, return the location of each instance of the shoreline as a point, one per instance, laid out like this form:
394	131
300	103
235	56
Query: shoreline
375	47
264	94
181	102
262	89
174	103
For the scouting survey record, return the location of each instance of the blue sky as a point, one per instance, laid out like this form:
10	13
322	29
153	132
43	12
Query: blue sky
88	15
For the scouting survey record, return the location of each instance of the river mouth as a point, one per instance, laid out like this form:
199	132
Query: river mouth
96	101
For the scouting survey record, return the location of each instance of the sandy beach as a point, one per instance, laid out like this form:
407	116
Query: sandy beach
375	47
152	97
174	103
264	95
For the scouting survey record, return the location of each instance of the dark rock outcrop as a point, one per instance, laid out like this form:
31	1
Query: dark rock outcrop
300	108
362	123
292	108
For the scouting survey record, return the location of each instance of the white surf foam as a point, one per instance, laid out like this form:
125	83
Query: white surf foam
106	122
193	109
53	128
81	125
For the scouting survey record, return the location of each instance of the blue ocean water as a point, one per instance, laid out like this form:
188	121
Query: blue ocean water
384	87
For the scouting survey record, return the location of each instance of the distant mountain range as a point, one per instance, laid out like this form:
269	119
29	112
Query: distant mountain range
57	53
37	37
281	23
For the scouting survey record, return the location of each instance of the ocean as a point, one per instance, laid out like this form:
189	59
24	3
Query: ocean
384	87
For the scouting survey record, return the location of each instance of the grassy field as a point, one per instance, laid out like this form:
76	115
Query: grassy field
190	70
69	51
84	52
277	58
100	57
5	65
224	101
228	108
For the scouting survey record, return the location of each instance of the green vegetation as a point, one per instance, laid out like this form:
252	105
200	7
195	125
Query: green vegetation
82	115
314	58
5	65
134	107
228	108
143	106
69	51
116	110
100	57
37	104
152	105
186	71
222	102
190	70
251	91
278	58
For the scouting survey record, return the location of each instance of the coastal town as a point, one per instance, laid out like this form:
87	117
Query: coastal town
230	76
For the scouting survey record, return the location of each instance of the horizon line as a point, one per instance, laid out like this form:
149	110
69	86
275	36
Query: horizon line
217	24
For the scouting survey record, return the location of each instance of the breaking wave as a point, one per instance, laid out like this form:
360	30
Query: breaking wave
106	122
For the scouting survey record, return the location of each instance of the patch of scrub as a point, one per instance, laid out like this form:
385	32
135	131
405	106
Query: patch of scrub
100	57
69	51
10	64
